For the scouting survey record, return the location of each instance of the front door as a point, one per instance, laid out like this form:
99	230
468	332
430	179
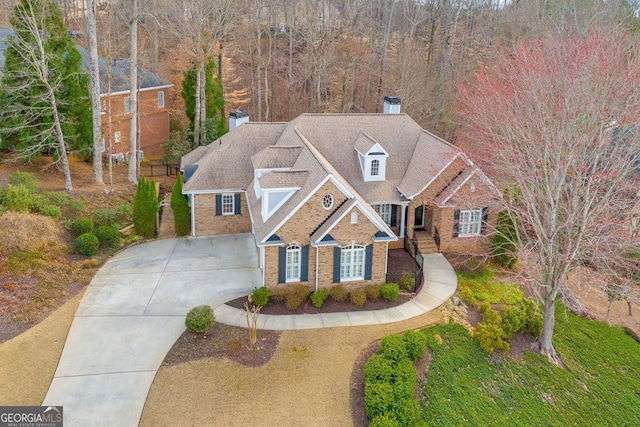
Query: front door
428	214
419	218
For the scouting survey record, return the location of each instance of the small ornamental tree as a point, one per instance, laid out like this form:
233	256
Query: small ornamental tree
180	208
145	208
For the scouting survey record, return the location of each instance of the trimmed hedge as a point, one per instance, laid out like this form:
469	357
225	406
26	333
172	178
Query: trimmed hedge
372	291
199	319
260	296
358	297
318	297
390	291
107	235
87	244
80	226
297	297
180	208
338	293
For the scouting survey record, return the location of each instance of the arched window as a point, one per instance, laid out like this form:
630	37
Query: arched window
293	263
352	263
375	167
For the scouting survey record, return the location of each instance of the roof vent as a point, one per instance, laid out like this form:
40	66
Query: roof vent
236	118
391	105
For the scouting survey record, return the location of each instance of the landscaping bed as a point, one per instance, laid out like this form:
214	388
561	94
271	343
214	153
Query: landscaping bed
224	341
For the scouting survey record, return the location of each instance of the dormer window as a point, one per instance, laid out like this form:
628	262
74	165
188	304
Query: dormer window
375	167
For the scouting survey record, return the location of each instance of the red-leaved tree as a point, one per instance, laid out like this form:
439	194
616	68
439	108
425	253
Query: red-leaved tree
555	121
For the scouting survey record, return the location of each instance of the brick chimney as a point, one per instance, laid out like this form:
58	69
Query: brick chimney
236	118
391	105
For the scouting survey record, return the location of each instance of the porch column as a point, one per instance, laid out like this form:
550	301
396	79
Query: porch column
402	219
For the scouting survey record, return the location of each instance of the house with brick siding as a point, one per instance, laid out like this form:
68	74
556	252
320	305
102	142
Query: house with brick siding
153	116
327	195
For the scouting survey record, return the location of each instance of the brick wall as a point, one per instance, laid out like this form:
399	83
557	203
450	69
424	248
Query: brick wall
209	224
153	122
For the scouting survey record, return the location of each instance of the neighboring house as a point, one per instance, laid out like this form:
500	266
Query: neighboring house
326	195
153	116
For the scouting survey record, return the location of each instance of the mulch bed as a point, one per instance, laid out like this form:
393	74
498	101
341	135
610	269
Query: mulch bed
223	341
329	306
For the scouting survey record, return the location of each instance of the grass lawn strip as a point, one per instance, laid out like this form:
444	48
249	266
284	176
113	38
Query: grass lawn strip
307	382
28	361
600	384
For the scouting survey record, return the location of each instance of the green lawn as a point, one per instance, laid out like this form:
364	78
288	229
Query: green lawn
484	287
600	384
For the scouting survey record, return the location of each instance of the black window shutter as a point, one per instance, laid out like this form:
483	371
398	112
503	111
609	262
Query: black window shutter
485	217
304	264
282	264
456	222
218	204
394	215
337	258
236	203
368	262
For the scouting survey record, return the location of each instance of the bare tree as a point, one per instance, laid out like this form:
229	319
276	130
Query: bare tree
94	83
548	120
133	94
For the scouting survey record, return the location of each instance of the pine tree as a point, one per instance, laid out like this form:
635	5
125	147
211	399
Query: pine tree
180	208
216	126
33	77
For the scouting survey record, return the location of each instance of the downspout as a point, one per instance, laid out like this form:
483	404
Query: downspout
262	256
193	214
317	254
386	261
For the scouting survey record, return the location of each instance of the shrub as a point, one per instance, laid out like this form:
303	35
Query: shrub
52	211
338	293
513	319
199	319
504	241
81	226
489	315
467	296
378	398
107	235
390	291
260	296
29	232
415	344
297	297
278	294
407	281
18	198
378	369
318	297
491	337
87	244
358	297
180	208
76	206
145	208
383	421
408	413
372	291
393	347
57	198
104	217
532	317
25	179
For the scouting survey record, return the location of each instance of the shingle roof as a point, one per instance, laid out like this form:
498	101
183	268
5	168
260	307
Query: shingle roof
364	143
227	163
451	189
283	179
430	157
276	156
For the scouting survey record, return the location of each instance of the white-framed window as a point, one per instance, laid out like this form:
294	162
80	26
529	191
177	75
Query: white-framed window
127	104
160	99
470	222
117	136
352	263
354	217
384	211
228	207
293	263
375	167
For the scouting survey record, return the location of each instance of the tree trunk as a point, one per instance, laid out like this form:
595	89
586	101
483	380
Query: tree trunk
198	109
133	96
203	105
549	320
95	92
60	137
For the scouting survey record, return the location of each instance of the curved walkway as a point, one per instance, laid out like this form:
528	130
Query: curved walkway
133	312
440	282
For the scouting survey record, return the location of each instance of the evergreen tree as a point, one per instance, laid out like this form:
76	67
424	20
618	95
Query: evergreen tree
145	208
27	120
180	208
214	101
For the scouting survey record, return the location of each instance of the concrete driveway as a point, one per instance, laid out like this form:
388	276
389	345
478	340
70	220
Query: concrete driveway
132	313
